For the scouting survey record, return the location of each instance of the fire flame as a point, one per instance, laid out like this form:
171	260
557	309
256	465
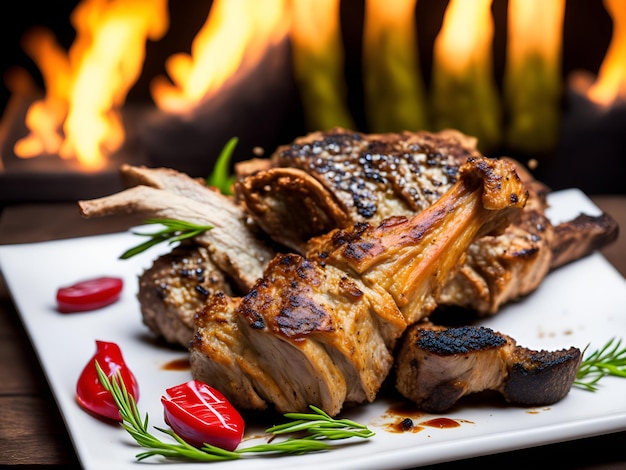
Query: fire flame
464	94
610	85
235	35
87	85
532	78
79	117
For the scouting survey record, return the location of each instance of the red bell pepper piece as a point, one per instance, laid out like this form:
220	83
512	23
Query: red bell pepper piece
89	294
90	393
200	414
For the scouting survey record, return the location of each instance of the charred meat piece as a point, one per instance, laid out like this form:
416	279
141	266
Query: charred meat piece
233	244
436	366
324	327
174	288
338	177
352	177
581	236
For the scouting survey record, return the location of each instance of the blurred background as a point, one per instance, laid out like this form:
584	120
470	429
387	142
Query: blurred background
88	85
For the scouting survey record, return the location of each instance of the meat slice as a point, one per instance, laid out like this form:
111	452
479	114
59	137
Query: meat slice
233	244
174	288
313	336
336	178
220	354
325	326
583	235
436	366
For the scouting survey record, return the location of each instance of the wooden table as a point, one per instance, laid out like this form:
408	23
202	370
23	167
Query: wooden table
32	430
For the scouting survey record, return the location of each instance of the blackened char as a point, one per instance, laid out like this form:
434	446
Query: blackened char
436	366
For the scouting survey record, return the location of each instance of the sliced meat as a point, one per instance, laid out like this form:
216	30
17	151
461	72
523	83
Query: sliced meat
313	335
325	327
174	288
232	243
220	356
582	236
436	366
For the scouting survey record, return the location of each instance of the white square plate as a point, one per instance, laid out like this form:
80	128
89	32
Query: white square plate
581	304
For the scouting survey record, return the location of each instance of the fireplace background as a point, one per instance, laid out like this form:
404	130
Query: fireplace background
591	157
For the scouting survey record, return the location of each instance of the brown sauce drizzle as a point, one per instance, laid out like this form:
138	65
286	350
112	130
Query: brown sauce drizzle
441	423
177	364
406	418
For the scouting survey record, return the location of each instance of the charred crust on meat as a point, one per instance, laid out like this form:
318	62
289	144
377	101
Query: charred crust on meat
300	317
350	289
436	366
359	165
357	251
342	237
255	319
458	340
541	378
582	236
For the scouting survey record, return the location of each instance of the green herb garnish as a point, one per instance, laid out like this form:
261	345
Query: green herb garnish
174	231
608	360
220	177
317	428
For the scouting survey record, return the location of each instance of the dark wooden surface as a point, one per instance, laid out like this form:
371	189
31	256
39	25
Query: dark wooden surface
32	432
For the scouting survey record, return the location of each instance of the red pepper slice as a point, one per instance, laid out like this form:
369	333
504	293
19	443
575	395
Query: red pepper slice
89	294
200	414
91	395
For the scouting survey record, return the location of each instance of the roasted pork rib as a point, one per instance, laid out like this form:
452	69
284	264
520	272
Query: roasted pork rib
321	329
338	177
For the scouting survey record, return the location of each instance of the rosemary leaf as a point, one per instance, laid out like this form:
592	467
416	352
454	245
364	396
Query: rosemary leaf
173	231
610	359
318	426
220	177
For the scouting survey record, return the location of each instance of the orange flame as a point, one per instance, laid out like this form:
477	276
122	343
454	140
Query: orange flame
532	78
465	37
235	36
87	86
610	85
463	90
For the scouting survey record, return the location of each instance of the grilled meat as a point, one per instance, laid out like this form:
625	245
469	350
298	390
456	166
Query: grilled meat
231	256
321	329
337	178
580	236
233	243
174	288
436	366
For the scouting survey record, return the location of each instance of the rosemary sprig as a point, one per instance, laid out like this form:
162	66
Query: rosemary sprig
177	230
220	177
174	231
317	426
608	360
